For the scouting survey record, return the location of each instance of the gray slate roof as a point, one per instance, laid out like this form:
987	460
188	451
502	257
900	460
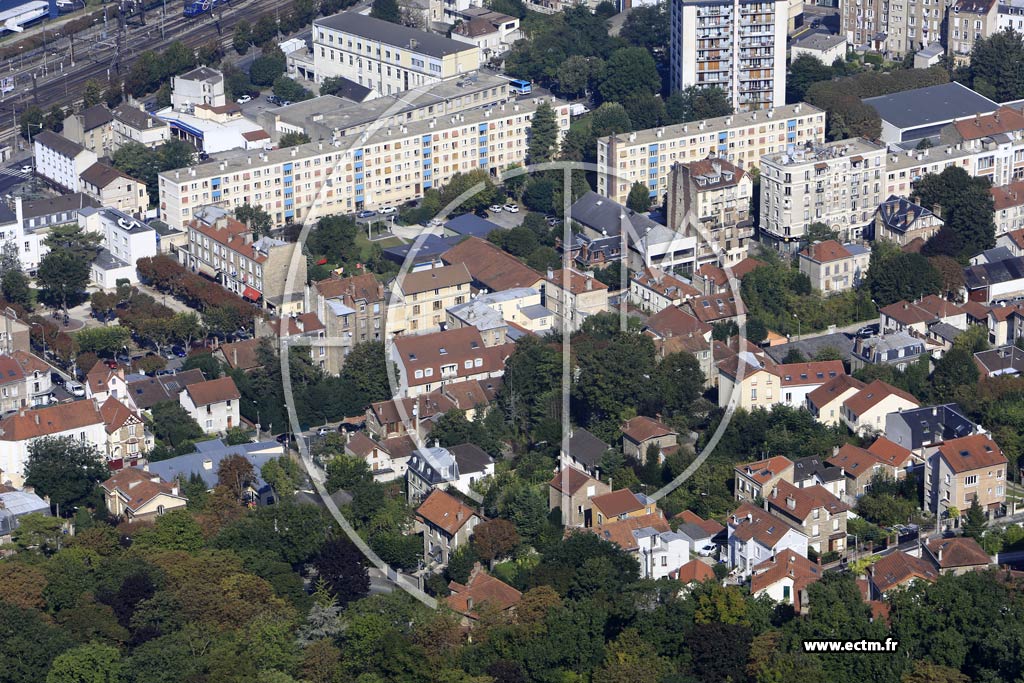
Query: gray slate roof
934	104
215	450
586	448
393	34
603	215
470	457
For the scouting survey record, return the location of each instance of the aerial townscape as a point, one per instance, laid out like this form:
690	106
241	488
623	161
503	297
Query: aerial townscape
512	341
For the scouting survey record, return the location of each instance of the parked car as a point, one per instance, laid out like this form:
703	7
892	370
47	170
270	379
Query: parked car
285	438
366	213
324	431
165	371
494	208
179	351
274	99
553	221
110	363
75	389
243	99
388	210
27	168
512	208
707	550
57	379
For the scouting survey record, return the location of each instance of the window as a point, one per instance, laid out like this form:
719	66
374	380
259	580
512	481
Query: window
209	424
971	480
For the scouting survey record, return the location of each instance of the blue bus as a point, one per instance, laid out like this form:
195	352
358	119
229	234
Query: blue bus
520	87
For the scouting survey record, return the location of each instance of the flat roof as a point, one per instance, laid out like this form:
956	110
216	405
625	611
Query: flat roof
819	41
931	105
411	39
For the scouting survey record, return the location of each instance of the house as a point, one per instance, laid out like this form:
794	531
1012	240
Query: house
767	385
675	330
91	128
660	552
1013	241
114	189
1005	323
127	439
137	496
585	452
917	316
24	381
866	410
240	355
446	523
352	310
430	469
957	555
16	504
900	220
481	589
621	504
692	572
79	420
131	124
716	308
213	404
833	267
892	454
474	464
1004	360
898	349
784	578
964	471
697	531
427	362
896	570
200	86
814	471
921	428
419	299
60	160
825	403
814	511
492	32
713	279
571	490
641	433
823	46
573	296
204	462
505	316
756	535
654	290
143	394
757	479
382	465
987	282
859	466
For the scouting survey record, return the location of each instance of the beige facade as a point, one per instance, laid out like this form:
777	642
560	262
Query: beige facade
647	156
758	479
386	58
838	184
114	189
136	496
969	21
352	310
571	490
135	125
893	28
710	200
573	294
389	167
963	470
91	128
419	301
834	268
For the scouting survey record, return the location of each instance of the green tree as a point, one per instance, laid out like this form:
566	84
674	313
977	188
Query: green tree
292	140
695	103
342	566
29	642
974	521
65	469
103	341
173	426
460	563
543	142
894	276
38	531
639	198
366	370
610	118
176	530
630	70
647	26
804	71
256	218
289	89
92	663
268	67
967	211
15	286
386	10
955	369
577	74
242	37
92	93
993	68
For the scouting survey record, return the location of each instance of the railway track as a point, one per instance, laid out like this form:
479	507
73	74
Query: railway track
62	84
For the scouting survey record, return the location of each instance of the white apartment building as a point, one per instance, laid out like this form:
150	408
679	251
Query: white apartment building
387	167
893	28
647	156
213	404
1011	15
125	241
136	125
904	170
384	57
60	160
838	184
202	85
738	45
79	420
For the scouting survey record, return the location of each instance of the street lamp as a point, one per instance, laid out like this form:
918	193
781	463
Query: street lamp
257	419
797	326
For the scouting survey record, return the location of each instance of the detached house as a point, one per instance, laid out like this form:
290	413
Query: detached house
80	420
784	578
446	523
481	589
641	433
134	495
572	490
756	535
585	452
621	504
896	570
127	439
757	479
213	404
962	471
859	466
957	555
814	511
650	540
867	409
826	402
833	267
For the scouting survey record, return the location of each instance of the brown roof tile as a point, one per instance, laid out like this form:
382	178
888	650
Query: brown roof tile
799	503
445	511
826	252
116	414
641	428
814	372
1003	120
897	568
708	525
139	488
762	471
833	389
481	588
620	532
29	424
490	266
971	452
615	503
889	452
213	391
786	564
450	347
434	278
958	552
241	355
763	527
694	571
569	480
673	321
873	394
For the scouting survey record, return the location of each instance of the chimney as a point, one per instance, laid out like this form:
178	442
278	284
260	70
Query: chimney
750	517
37	418
458	515
791	502
207	464
469	602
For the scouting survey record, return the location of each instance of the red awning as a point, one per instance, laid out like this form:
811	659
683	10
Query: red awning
251	294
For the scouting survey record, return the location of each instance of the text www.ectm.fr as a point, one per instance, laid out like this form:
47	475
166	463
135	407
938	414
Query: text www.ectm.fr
887	645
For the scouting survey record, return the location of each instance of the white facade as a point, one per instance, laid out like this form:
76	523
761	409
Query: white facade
125	241
737	45
743	555
660	553
214	418
60	160
199	86
14	450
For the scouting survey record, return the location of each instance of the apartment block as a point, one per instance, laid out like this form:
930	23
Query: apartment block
384	57
388	166
90	128
125	241
997	143
647	156
969	21
710	201
737	45
352	310
223	248
60	160
419	301
904	170
838	184
893	28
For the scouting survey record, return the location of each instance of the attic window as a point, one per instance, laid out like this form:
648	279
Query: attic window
965	453
988	449
412	356
803	375
821	375
832	373
789	377
474	345
443	351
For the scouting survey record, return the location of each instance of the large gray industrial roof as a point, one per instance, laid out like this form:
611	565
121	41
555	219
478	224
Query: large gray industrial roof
934	104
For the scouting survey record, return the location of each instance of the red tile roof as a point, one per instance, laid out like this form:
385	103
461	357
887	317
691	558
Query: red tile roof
709	525
642	428
451	347
826	252
764	471
694	571
615	503
138	488
445	511
354	288
786	564
833	389
971	453
230	233
1003	120
579	282
213	391
241	355
116	414
29	424
620	532
715	307
490	266
673	321
799	503
889	452
854	460
814	372
898	568
763	527
481	588
1006	196
428	280
569	480
665	284
958	552
873	394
